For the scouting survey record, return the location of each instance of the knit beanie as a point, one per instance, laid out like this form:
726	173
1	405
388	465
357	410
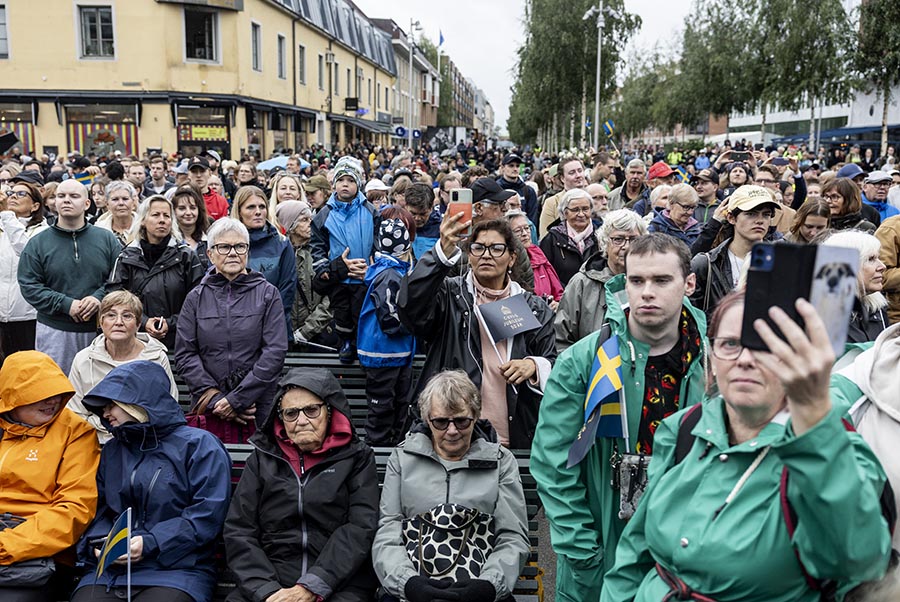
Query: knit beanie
287	213
393	237
347	166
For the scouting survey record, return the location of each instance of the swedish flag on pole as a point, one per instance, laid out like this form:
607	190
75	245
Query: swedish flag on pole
118	543
604	407
609	128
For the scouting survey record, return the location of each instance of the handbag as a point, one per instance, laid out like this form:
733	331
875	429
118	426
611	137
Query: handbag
630	474
449	540
35	572
226	430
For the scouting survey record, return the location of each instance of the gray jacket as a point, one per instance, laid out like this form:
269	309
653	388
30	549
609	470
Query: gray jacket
582	308
417	479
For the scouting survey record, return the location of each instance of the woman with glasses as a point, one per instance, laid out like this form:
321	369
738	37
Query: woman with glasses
677	219
573	240
844	200
304	514
119	342
443	310
158	267
21	217
231	339
729	474
450	457
546	281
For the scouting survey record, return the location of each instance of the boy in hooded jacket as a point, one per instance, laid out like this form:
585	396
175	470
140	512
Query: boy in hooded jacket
385	346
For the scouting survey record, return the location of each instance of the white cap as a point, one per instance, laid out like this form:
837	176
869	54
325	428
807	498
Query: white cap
376	184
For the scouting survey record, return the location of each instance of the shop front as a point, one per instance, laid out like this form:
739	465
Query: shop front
102	129
19	119
202	129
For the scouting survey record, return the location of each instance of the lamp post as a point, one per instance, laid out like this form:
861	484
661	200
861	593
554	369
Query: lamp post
601	12
413	26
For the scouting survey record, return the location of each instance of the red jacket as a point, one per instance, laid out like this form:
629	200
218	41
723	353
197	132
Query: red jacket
546	281
216	204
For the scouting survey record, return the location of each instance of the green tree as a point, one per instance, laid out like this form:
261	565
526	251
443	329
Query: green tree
877	56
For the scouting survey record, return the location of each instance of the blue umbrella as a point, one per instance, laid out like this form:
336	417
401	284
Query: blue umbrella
279	161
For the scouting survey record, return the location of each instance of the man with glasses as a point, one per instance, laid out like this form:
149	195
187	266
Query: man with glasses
62	274
582	309
767	177
660	355
750	211
633	190
875	194
599	202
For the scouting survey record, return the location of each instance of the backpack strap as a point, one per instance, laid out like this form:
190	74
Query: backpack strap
685	440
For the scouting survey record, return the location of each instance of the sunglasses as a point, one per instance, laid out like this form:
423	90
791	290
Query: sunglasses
442	424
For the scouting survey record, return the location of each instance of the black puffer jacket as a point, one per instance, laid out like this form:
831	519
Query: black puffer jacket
314	527
439	310
563	254
161	286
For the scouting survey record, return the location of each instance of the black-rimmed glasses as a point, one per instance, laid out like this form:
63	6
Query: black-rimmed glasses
496	250
442	424
292	414
223	249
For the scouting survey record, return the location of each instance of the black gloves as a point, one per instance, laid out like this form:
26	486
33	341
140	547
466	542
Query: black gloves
475	590
423	589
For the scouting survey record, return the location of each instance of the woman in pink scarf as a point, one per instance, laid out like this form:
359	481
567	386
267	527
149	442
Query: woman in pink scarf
546	281
568	244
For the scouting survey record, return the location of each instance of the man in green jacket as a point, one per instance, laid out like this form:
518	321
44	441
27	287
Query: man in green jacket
62	274
661	342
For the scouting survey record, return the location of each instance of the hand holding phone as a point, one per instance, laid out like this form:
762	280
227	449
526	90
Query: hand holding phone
740	156
461	203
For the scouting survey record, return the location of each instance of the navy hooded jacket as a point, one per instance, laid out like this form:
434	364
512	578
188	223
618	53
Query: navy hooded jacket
176	479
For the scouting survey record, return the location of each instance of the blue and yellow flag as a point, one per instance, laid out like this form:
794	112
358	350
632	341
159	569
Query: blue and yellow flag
603	412
117	542
681	173
609	128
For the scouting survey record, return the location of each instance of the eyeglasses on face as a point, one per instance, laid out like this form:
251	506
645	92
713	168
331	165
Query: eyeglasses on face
19	193
584	210
618	241
726	348
112	316
765	181
442	424
223	249
496	250
292	414
688	207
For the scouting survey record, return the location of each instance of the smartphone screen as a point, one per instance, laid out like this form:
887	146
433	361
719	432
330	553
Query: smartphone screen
461	202
740	156
780	161
779	274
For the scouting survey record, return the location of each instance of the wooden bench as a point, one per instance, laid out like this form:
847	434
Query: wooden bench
527	586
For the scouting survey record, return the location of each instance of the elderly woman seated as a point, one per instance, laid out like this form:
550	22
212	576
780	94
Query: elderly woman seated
451	467
304	514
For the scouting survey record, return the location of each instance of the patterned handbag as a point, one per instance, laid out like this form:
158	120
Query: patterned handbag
449	541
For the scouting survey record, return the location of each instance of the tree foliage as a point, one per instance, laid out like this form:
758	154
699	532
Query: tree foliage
877	56
555	65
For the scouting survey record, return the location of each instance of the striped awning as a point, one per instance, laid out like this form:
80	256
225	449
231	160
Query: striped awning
103	138
24	131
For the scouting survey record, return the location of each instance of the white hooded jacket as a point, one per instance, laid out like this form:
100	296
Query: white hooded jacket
14	235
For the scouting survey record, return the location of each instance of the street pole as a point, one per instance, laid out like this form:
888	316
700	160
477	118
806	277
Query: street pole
596	124
409	133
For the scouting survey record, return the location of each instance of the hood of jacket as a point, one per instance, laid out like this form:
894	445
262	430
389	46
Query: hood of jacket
596	267
29	377
384	262
247	280
875	372
664	223
139	383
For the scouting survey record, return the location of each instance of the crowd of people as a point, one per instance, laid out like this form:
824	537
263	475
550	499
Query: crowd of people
772	474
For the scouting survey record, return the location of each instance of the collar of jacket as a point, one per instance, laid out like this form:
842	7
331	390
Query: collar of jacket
78	232
419	442
358	201
711	428
514	287
662	218
596	267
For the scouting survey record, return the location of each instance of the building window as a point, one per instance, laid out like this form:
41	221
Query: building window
349	84
337	82
96	32
378	93
387	98
301	65
256	46
369	101
201	35
282	57
4	37
321	72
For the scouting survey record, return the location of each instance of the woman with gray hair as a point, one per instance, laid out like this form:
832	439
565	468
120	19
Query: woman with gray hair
869	315
231	340
546	280
121	202
677	219
582	309
570	242
157	267
450	467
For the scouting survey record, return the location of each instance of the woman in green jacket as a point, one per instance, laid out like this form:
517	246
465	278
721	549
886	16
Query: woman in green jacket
712	526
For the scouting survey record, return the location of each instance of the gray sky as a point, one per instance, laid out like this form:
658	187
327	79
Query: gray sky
481	36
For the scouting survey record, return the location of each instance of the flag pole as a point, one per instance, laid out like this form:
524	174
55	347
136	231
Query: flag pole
128	572
493	344
624	419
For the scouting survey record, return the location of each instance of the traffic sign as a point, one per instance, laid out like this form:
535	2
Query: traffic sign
417	133
400	131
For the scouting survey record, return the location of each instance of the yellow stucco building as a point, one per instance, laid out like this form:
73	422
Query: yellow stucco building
236	76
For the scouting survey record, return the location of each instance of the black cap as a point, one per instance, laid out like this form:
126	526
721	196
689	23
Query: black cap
403	171
486	190
198	161
29	176
512	158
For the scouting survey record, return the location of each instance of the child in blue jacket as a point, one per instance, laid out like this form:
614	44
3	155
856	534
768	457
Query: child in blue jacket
385	346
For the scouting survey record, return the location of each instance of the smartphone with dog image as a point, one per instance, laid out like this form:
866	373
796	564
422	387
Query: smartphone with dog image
779	274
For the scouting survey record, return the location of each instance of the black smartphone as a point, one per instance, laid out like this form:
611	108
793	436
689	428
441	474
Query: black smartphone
740	156
779	161
97	543
779	274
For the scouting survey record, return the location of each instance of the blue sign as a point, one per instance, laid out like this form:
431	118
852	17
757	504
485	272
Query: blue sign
400	131
417	133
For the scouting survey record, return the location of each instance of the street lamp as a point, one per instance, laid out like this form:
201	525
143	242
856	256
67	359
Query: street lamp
413	26
600	12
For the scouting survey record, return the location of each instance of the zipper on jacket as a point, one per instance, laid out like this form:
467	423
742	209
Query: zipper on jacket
75	242
147	497
447	480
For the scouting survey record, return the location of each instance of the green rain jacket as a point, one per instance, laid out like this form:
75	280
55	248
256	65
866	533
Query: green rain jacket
745	553
579	502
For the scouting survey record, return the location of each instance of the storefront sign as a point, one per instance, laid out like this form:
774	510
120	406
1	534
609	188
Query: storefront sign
227	4
202	132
